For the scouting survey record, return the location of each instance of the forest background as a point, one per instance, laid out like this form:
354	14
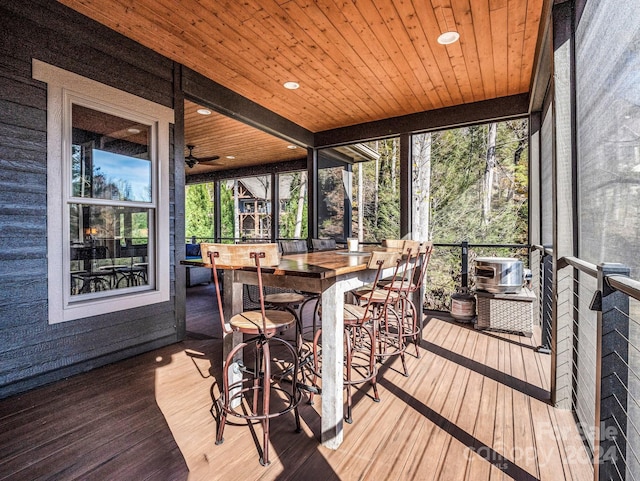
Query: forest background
469	184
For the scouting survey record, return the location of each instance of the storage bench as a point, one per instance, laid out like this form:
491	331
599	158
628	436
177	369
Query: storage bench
506	312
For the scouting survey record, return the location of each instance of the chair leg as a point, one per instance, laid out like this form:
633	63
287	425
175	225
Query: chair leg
223	421
298	319
372	366
401	345
296	413
266	398
225	402
399	334
295	393
258	376
316	363
259	383
413	327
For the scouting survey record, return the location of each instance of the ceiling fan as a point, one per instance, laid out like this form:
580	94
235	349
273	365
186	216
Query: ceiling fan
190	160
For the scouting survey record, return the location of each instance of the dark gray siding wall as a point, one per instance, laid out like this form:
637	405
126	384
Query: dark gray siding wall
32	352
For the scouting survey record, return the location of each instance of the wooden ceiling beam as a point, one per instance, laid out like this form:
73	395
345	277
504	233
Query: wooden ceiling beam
252	171
213	95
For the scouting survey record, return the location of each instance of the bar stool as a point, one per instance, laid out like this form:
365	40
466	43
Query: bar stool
417	262
252	394
360	324
294	301
390	332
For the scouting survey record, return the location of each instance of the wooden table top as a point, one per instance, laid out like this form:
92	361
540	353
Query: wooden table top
319	265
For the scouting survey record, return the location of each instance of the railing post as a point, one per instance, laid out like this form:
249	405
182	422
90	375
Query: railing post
612	376
464	281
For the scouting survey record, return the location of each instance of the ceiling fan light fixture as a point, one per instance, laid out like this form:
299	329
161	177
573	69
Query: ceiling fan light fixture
204	111
291	85
448	38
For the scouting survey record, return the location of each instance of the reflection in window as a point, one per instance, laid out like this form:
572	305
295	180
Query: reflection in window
111	252
358	191
331	204
110	161
109	157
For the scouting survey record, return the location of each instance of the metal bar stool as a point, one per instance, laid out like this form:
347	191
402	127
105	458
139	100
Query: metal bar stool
255	389
360	323
294	301
390	330
417	262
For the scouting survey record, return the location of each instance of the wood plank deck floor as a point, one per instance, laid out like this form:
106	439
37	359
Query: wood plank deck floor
473	408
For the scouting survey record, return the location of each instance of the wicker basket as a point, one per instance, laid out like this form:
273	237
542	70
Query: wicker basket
506	312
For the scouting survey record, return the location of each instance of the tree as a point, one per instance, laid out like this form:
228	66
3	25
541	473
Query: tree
236	209
293	213
421	166
488	173
302	205
227	219
198	212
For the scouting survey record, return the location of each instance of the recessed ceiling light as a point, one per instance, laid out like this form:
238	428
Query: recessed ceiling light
204	111
231	157
448	38
291	85
133	131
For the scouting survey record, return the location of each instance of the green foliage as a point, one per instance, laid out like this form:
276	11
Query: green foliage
458	166
458	163
289	211
381	206
226	211
331	208
198	211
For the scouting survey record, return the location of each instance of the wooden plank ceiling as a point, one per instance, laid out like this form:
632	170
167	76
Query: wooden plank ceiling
356	60
237	144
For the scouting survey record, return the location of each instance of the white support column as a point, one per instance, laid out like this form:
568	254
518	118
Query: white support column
332	366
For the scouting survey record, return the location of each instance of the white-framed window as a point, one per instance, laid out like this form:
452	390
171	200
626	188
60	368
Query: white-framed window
107	197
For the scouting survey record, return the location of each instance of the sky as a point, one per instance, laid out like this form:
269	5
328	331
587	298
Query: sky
121	169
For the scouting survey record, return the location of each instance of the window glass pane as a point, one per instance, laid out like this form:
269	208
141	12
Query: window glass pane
110	157
479	184
469	184
227	211
199	212
331	195
376	193
359	191
293	205
246	208
109	247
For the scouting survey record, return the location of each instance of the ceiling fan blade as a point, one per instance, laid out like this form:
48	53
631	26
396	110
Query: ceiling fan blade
212	158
